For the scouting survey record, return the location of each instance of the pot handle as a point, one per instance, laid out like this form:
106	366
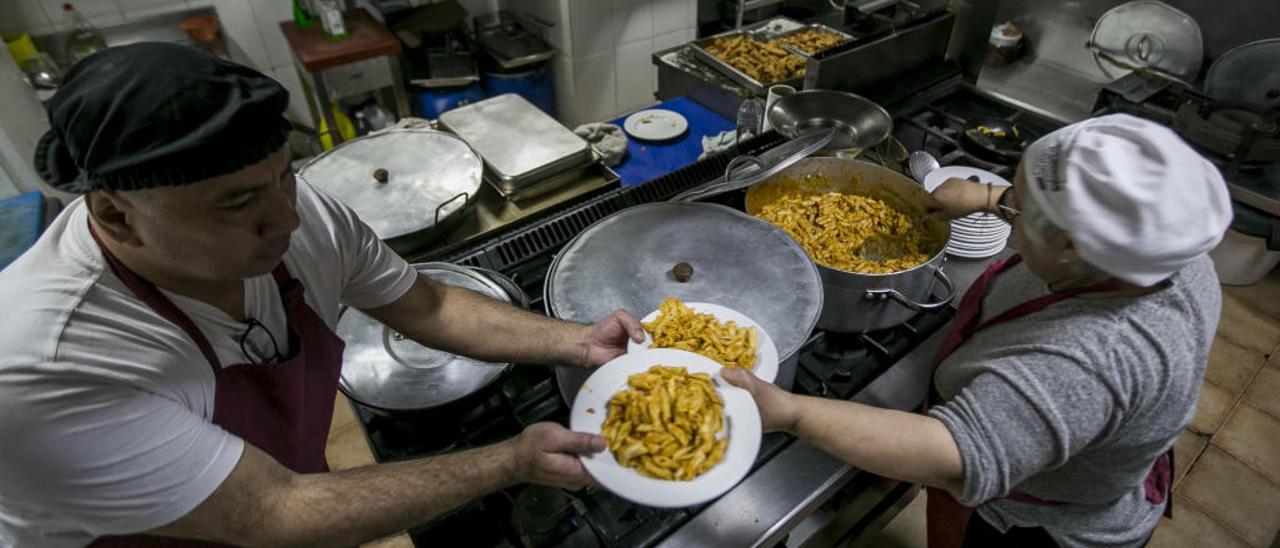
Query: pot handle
462	195
882	294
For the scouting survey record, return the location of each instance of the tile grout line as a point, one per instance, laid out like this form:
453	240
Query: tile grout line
1231	409
1194	460
1265	475
1232	530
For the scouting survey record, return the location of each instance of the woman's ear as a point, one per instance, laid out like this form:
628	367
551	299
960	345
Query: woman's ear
113	216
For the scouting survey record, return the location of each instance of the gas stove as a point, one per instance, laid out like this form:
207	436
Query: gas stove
1244	144
831	365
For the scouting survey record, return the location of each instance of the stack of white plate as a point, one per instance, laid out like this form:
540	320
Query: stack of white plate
980	234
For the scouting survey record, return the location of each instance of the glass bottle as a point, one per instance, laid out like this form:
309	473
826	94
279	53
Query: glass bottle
330	14
81	39
301	17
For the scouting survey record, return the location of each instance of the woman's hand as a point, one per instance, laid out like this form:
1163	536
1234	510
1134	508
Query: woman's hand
955	198
778	408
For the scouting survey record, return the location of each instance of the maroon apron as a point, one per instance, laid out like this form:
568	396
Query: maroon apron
283	408
946	517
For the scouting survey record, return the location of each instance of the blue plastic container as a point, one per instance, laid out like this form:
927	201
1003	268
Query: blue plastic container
21	222
432	102
534	85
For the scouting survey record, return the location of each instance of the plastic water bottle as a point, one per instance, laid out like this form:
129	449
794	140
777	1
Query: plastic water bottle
379	117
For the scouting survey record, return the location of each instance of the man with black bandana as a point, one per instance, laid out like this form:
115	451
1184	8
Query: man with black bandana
128	405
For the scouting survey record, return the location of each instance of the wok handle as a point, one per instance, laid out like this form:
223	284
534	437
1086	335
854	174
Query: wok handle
882	294
462	195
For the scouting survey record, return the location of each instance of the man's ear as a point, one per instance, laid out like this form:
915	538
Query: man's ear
114	216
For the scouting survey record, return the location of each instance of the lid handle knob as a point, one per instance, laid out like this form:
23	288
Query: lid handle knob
682	272
381	175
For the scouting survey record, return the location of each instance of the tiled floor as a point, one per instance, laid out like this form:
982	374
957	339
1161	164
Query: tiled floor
1228	479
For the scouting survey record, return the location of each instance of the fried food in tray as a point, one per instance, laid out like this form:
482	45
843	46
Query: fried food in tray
680	327
666	424
765	62
810	40
832	227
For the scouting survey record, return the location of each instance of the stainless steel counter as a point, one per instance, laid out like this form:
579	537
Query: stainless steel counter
792	486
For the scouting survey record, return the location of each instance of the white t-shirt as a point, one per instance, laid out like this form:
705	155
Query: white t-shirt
106	407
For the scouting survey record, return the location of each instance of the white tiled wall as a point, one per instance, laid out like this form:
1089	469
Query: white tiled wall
251	27
44	16
607	47
603	67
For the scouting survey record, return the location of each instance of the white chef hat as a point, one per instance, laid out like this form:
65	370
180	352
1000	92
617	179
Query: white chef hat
1137	201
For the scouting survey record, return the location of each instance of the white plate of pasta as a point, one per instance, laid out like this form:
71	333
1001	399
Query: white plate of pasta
678	434
738	334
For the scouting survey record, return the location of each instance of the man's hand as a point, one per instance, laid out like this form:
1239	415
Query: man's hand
547	454
778	408
955	198
607	339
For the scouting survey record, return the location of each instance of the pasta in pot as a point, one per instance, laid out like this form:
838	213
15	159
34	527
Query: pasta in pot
832	227
680	327
666	424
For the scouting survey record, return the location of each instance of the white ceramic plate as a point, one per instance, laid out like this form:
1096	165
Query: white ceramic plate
981	219
742	423
937	176
655	125
766	353
975	253
980	235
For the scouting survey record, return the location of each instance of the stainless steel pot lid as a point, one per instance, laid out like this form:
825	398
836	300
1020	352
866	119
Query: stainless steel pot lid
429	174
626	261
384	370
1148	34
1248	75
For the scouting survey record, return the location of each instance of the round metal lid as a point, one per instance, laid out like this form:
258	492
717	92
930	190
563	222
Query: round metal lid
626	260
1247	75
425	170
384	370
1148	34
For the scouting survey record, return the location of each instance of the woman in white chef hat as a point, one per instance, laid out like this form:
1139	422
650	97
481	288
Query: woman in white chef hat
1071	367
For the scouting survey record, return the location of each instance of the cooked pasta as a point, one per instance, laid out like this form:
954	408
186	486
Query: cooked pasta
680	327
832	228
666	424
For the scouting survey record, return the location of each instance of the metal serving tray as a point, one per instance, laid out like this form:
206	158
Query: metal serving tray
521	145
764	32
757	87
813	26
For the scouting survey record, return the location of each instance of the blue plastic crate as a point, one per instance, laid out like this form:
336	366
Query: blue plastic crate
21	222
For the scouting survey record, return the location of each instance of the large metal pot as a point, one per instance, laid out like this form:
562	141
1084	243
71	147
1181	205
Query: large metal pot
627	260
412	185
856	302
389	374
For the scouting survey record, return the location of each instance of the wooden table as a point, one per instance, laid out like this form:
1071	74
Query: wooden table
366	61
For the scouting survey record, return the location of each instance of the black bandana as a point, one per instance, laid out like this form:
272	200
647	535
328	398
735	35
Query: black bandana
157	114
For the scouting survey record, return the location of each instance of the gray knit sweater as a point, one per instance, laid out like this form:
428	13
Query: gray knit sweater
1075	402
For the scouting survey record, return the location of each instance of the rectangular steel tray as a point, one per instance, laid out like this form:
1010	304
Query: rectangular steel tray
764	31
521	145
813	26
757	87
550	183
